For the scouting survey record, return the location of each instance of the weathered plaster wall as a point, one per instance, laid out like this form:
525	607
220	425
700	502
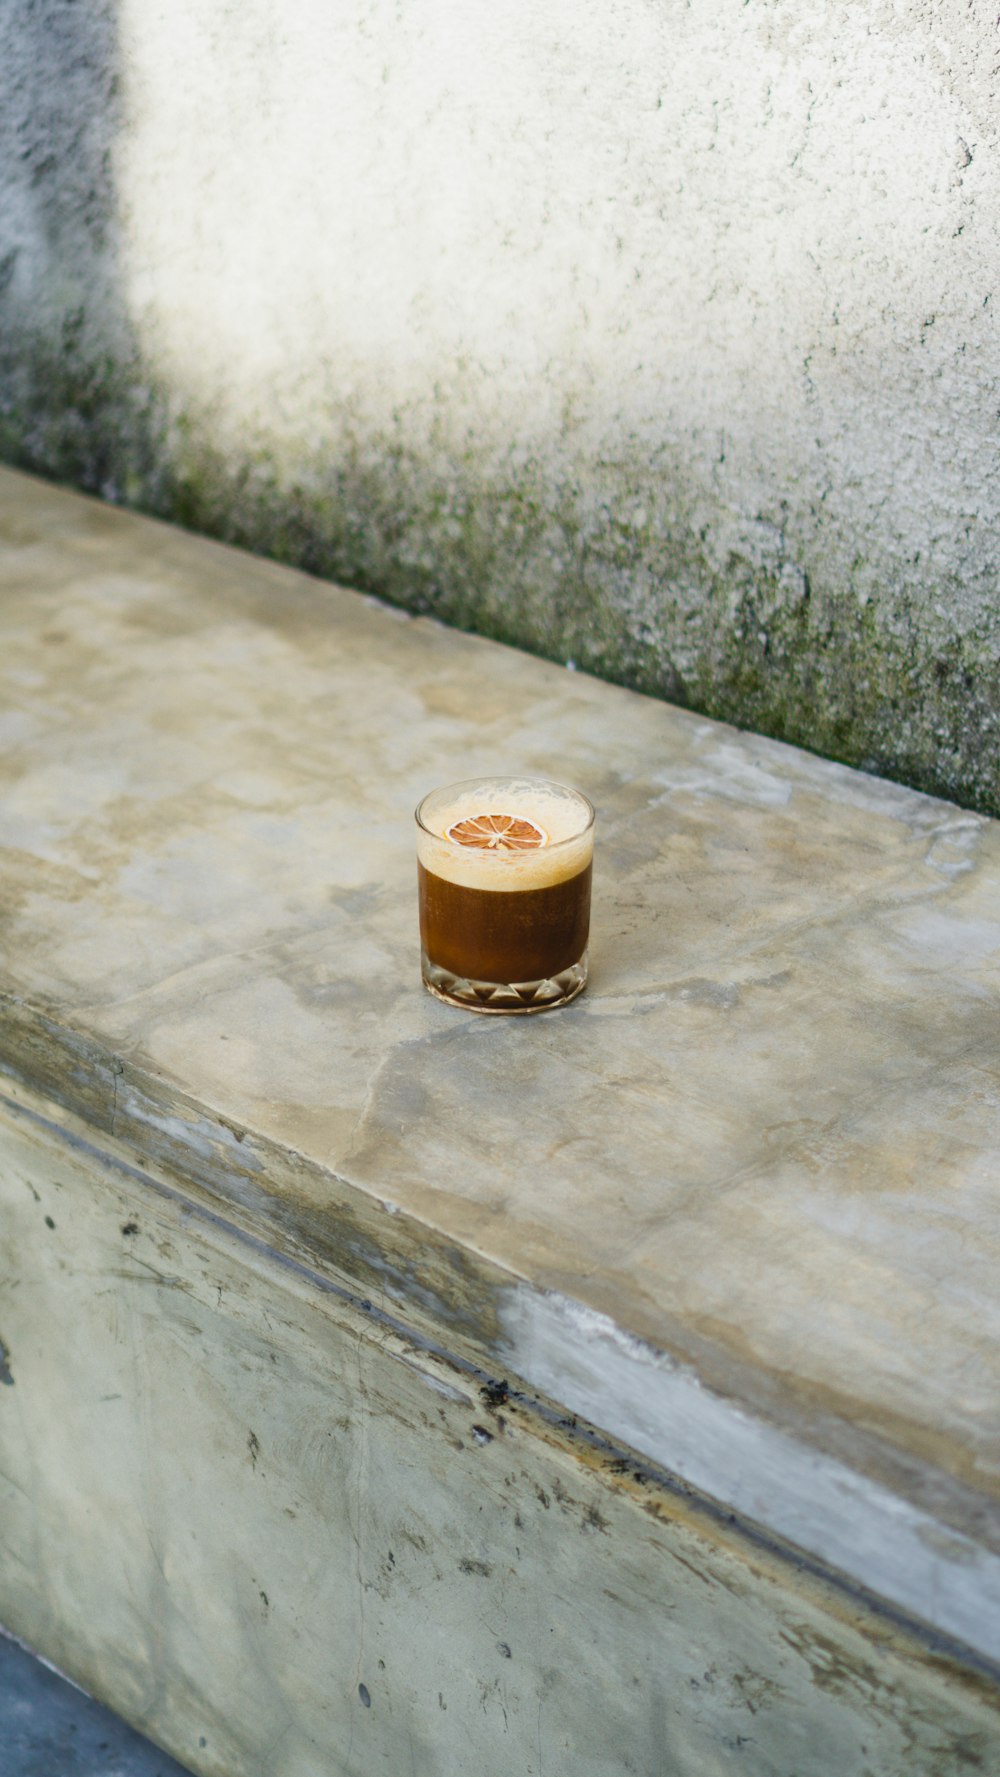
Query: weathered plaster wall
659	338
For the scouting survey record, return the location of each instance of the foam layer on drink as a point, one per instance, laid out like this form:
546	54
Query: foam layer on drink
564	817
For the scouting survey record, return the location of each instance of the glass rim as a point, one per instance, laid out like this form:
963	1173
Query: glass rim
546	783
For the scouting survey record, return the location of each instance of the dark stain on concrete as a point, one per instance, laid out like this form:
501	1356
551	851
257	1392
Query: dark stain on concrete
276	1187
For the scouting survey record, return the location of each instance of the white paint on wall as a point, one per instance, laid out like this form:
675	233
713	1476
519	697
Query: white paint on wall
761	236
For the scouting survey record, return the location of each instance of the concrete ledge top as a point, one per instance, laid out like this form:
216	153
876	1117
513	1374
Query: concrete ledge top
737	1206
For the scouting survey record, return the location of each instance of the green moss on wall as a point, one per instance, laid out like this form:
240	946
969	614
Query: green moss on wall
605	565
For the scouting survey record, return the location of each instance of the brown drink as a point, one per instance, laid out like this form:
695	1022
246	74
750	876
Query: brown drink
504	869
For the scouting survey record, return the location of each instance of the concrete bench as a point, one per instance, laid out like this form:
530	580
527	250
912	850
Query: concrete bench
396	1390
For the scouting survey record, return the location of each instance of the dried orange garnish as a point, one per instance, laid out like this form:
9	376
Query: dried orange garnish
493	832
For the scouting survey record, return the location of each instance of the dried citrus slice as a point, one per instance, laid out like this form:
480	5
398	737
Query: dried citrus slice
494	832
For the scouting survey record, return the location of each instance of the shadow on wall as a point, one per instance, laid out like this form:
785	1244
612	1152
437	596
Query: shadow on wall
634	553
69	407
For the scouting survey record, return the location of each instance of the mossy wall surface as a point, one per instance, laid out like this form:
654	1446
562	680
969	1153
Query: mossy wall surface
658	339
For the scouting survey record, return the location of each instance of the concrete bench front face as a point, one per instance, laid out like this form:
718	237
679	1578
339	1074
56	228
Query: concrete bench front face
732	1209
282	1538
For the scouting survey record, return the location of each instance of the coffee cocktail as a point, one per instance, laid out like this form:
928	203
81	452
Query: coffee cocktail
504	868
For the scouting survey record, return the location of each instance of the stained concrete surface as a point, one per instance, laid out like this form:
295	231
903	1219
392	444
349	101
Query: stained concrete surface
736	1208
49	1728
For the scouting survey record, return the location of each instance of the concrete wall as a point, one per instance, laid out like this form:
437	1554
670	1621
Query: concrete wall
657	337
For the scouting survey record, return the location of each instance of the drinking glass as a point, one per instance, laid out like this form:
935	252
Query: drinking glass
504	869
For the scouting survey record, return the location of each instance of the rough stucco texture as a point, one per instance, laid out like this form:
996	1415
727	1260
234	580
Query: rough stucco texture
658	338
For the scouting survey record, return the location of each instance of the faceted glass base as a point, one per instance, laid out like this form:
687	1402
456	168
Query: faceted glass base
506	997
